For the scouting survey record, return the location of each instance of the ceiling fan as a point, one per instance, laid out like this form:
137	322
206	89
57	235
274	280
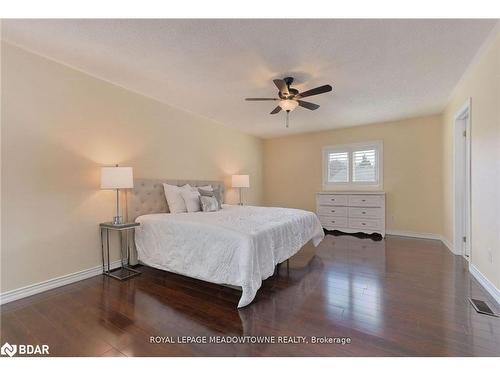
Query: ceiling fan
290	98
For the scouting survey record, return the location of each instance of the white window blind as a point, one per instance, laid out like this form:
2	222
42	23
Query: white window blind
364	166
338	167
353	165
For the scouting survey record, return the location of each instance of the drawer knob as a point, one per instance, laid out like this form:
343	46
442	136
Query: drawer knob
332	199
364	212
333	210
363	223
333	221
363	200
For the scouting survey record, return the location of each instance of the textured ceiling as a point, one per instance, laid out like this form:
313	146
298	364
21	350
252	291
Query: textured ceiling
380	69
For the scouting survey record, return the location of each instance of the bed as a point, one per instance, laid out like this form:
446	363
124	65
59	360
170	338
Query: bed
236	246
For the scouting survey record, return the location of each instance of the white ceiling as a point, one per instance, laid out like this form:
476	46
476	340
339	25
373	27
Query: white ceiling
380	69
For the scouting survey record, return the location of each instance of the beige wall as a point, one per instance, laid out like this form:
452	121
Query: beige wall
58	127
412	170
481	84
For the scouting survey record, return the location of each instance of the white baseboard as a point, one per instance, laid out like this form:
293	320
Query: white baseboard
485	282
30	290
404	233
427	236
448	244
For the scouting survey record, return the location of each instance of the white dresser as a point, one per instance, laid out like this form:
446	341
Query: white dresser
352	211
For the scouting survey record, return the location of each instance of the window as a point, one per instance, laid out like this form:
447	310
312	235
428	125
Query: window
353	166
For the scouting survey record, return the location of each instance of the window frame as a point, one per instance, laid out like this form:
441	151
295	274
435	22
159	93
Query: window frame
350	149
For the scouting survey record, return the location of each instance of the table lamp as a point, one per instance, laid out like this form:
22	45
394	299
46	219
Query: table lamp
240	181
117	178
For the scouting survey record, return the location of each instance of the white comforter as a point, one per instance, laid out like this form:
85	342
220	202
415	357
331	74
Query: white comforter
238	245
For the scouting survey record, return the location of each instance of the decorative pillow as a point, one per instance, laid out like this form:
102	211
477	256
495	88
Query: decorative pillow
206	187
209	204
191	198
174	198
216	193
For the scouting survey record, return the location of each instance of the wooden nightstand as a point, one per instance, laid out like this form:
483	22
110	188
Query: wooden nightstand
125	271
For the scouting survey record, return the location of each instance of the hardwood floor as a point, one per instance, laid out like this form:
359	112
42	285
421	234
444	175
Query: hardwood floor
396	297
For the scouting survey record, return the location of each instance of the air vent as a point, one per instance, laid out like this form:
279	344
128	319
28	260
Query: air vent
481	307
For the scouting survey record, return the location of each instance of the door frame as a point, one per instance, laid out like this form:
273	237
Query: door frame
462	179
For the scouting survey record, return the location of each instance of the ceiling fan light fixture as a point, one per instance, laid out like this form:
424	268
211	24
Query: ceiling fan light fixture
288	105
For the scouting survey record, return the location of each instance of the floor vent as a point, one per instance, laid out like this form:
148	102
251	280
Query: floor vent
482	307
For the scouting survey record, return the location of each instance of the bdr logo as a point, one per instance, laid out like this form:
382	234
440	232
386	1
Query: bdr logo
22	349
8	349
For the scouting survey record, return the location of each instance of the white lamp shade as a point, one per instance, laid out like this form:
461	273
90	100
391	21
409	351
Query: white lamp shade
288	105
117	178
240	180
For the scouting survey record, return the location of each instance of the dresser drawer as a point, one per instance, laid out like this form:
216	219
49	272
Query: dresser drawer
333	199
364	224
332	211
332	221
366	200
368	212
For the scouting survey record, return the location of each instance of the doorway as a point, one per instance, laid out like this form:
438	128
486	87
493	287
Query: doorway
462	183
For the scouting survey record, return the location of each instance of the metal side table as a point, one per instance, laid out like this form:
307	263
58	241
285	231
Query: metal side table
125	271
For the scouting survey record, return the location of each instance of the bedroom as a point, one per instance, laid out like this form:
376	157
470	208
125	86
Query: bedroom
348	241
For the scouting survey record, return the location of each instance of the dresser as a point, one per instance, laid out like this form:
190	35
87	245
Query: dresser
352	211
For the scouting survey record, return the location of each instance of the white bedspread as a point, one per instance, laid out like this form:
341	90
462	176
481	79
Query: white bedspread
238	245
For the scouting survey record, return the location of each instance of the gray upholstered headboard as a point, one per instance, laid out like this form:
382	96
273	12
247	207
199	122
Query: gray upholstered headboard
147	196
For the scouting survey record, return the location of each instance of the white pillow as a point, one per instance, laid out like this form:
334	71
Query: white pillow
174	198
191	198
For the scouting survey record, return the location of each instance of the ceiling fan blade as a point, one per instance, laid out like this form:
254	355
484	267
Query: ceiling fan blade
282	86
275	110
256	99
315	91
308	105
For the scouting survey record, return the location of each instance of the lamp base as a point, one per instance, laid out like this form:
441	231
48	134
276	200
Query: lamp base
241	201
117	220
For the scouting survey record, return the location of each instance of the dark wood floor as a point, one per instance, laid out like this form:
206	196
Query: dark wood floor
397	297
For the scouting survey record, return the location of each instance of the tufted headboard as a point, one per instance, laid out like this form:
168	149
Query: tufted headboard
148	197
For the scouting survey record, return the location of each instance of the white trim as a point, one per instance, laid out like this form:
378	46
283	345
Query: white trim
448	244
459	177
56	282
426	236
404	233
485	282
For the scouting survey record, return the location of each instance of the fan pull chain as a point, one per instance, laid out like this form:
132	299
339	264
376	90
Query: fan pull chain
287	112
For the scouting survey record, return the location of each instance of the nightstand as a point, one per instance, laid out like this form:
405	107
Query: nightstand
125	271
